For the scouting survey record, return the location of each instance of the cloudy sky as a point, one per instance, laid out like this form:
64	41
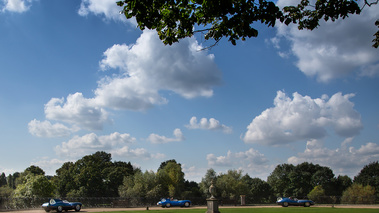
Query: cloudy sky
76	77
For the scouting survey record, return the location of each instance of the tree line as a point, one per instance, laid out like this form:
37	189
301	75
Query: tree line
97	175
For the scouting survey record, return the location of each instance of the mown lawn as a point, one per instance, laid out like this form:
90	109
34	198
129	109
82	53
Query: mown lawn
260	210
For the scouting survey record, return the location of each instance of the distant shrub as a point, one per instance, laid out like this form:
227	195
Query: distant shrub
359	194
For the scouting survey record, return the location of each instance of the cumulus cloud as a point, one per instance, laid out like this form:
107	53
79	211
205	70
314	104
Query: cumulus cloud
344	160
18	6
131	153
48	165
77	110
211	124
250	161
304	118
334	49
47	129
90	143
252	158
158	139
149	67
106	8
145	69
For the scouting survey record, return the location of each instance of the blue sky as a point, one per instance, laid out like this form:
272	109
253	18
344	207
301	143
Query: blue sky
76	77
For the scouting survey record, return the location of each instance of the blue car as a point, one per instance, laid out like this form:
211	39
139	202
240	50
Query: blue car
60	205
287	201
173	202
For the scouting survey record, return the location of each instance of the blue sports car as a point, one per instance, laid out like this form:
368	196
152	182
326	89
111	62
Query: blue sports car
286	201
60	205
173	202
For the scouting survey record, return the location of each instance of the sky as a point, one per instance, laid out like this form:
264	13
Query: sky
76	77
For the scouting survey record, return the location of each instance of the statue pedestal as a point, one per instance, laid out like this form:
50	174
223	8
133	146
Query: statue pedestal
212	205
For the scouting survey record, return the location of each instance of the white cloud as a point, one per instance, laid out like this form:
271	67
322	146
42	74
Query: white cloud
106	8
47	129
304	118
90	143
77	110
334	49
18	6
49	165
250	161
252	158
131	153
211	124
146	68
149	66
193	173
344	160
158	139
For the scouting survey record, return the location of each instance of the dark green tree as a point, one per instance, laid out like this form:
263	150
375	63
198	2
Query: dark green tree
92	176
260	190
340	184
35	170
3	180
65	179
369	175
233	19
279	180
163	164
191	189
114	176
298	181
11	180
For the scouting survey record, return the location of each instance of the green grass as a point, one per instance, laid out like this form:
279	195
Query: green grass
260	210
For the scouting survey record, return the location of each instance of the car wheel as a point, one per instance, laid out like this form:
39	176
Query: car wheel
187	204
285	204
77	208
168	205
307	204
59	209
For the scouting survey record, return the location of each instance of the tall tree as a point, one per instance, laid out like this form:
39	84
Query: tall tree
206	181
35	170
340	184
231	185
369	175
3	180
171	177
233	19
65	179
141	185
289	180
279	180
260	191
11	179
92	176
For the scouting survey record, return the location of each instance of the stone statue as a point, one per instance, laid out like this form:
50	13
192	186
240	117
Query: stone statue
212	190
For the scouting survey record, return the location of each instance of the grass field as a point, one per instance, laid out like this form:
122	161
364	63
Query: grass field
261	210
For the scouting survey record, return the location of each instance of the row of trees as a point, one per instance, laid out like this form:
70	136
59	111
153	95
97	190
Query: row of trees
97	176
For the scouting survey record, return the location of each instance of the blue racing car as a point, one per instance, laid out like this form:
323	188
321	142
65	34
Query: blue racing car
60	205
287	201
173	202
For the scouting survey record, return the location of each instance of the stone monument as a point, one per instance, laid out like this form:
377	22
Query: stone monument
212	202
